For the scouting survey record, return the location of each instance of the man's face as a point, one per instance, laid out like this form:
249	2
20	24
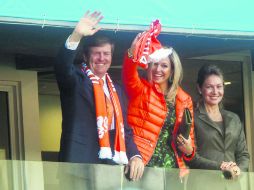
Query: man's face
100	59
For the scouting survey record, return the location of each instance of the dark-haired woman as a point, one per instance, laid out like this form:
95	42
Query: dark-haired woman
220	138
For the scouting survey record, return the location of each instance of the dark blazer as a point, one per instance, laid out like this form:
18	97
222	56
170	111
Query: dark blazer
79	139
212	147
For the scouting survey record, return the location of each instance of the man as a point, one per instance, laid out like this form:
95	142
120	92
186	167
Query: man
94	127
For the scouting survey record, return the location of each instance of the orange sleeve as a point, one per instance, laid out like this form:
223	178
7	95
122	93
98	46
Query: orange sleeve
192	134
131	80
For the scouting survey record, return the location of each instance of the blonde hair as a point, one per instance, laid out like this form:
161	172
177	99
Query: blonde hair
176	76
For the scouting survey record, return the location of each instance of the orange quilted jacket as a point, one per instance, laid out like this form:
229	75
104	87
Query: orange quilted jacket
147	112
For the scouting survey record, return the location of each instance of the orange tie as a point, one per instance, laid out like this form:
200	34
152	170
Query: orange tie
109	106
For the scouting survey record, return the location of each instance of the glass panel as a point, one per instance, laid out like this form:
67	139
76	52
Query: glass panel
5	151
94	177
67	176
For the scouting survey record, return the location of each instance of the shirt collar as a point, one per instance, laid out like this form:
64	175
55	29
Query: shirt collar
103	78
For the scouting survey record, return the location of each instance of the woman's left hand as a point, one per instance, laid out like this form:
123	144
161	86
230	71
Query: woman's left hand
184	144
232	168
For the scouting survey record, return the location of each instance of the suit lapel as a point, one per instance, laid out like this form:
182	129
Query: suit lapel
227	119
86	89
205	118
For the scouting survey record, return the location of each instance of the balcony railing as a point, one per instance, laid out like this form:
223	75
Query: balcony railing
30	175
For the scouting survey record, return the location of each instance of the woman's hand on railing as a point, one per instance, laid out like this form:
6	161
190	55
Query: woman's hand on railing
232	168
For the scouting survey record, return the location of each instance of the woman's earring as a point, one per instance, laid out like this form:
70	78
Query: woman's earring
170	80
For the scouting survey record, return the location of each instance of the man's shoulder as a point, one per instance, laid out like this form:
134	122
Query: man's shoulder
119	89
117	85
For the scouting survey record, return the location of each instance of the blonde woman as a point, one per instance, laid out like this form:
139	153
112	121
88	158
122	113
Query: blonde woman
155	110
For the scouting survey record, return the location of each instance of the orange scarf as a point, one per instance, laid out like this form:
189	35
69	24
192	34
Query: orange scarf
102	119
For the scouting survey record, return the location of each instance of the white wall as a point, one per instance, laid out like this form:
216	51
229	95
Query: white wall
50	122
28	106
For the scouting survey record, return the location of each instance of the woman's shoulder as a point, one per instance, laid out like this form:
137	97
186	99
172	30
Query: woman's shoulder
227	113
182	95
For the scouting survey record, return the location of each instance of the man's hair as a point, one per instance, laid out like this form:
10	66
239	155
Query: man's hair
96	41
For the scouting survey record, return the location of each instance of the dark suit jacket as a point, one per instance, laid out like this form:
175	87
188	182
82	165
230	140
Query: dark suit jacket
79	139
212	147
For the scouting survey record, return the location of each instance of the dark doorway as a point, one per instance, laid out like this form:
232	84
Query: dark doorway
5	148
232	70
